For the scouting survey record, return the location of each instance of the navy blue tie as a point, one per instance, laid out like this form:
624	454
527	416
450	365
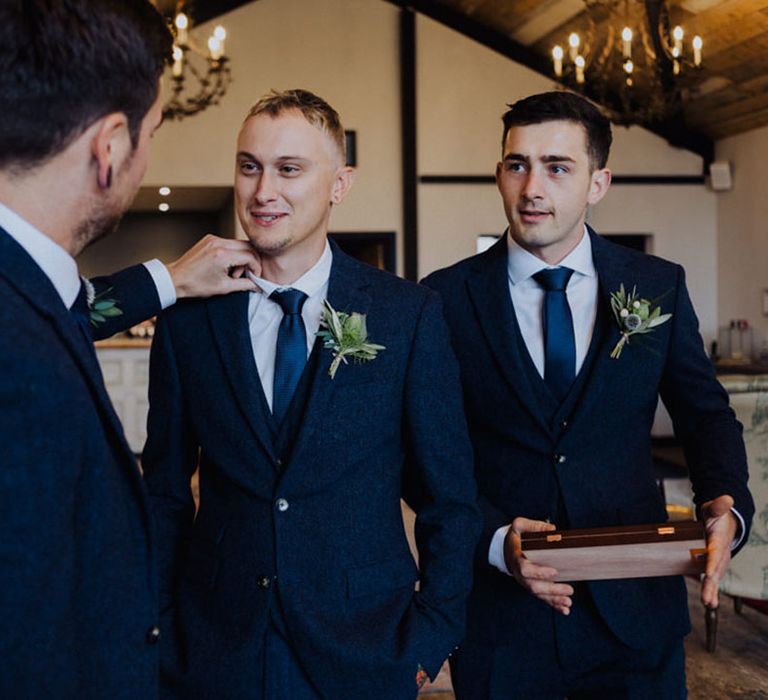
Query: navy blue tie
291	350
559	343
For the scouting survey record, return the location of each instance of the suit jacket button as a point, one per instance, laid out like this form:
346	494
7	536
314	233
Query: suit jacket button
558	459
278	462
564	424
153	635
281	504
264	582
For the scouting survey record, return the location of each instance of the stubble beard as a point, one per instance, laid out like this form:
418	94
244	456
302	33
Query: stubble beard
98	225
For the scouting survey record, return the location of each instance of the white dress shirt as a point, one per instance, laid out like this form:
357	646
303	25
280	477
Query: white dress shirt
265	315
528	297
60	267
528	300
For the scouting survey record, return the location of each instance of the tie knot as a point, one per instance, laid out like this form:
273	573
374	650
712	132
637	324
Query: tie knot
554	279
291	300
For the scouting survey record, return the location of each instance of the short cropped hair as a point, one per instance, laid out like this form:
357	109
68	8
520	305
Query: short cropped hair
314	109
64	64
566	106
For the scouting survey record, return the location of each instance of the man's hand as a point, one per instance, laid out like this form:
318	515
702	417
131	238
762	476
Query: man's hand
720	524
214	266
536	579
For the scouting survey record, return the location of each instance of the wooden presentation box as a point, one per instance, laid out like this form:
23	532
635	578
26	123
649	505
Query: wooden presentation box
629	551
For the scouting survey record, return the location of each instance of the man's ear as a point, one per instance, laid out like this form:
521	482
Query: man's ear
344	178
111	145
601	181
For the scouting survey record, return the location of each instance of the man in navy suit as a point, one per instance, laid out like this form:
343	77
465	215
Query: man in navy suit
561	429
294	579
78	593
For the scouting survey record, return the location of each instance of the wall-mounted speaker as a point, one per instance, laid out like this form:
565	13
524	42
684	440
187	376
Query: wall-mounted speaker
720	177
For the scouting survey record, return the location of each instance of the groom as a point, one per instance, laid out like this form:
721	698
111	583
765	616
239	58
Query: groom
294	579
561	427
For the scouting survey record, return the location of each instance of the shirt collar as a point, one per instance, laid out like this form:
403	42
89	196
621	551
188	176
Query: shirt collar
55	262
311	282
521	264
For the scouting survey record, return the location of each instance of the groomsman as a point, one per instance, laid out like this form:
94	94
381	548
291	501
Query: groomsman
560	404
294	578
80	100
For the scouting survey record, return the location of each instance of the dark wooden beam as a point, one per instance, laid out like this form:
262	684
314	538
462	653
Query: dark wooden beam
408	143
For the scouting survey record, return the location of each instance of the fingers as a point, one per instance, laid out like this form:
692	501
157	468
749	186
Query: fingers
521	525
721	526
560	603
536	572
236	284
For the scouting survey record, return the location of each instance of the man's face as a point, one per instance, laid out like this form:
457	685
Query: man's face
126	180
546	182
288	174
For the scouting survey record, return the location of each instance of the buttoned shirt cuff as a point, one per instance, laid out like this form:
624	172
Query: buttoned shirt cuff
496	550
742	529
163	282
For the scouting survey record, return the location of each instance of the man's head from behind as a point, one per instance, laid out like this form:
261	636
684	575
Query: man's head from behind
66	63
554	151
290	171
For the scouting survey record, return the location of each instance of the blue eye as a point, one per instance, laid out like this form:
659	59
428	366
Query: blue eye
248	167
558	169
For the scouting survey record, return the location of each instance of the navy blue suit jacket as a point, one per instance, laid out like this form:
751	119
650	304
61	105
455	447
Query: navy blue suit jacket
337	556
593	464
77	580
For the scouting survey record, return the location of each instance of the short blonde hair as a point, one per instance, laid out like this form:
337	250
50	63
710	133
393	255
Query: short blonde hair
314	109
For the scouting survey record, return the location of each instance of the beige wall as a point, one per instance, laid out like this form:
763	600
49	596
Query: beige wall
743	232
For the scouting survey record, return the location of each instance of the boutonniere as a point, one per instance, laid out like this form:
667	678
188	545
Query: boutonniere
100	307
346	336
634	315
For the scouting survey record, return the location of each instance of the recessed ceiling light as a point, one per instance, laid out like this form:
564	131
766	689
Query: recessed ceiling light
164	191
163	206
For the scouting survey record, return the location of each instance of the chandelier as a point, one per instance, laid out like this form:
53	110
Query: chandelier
199	77
628	56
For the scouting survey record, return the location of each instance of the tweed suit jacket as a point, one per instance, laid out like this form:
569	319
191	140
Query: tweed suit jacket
590	465
77	575
317	530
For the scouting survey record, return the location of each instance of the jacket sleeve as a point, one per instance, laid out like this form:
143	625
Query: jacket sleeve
439	486
135	295
701	414
169	459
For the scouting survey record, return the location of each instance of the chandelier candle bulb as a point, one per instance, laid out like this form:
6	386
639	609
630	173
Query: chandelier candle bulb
697	46
214	46
626	40
182	22
557	57
221	34
677	35
573	43
580	63
178	62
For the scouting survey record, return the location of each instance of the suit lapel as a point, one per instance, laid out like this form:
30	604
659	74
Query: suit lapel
347	292
32	284
488	290
228	317
613	269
